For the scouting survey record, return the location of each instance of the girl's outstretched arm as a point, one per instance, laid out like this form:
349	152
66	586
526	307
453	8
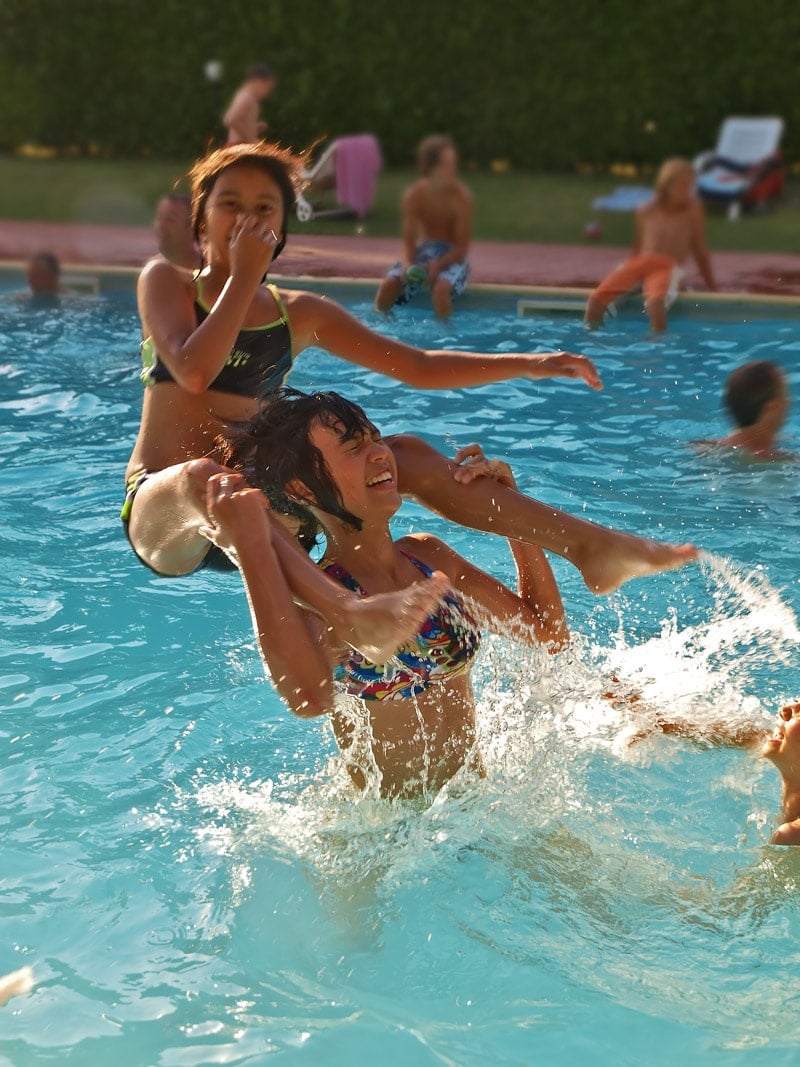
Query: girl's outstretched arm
325	324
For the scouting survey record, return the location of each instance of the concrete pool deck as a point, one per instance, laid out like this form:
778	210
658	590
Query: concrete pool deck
514	263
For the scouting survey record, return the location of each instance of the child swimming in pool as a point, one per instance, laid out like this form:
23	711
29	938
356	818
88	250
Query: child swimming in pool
217	342
757	399
321	460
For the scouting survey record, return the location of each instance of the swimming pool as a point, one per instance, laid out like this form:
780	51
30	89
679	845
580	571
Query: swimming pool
182	864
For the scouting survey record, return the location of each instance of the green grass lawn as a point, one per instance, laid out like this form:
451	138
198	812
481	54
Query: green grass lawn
508	207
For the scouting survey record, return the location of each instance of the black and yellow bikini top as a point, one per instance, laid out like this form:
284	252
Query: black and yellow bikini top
258	363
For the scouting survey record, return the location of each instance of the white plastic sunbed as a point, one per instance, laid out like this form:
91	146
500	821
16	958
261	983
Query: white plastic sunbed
746	168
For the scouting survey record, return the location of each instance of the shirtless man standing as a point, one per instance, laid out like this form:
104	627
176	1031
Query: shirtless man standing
668	228
437	229
241	119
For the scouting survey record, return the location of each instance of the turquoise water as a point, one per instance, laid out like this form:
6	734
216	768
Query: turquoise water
185	869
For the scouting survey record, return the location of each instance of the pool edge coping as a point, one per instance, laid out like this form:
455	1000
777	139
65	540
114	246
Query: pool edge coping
557	293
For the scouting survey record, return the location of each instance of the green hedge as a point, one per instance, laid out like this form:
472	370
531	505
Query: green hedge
544	84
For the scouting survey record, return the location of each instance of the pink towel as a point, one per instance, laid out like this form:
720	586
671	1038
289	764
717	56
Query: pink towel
358	160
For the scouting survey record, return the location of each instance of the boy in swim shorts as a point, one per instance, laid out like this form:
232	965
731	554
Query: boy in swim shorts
437	229
668	228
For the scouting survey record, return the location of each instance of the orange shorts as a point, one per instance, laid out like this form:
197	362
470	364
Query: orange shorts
659	276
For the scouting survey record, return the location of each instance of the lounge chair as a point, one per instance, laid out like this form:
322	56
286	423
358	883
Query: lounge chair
349	166
746	169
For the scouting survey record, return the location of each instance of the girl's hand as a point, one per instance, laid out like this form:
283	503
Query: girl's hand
472	464
251	248
565	365
234	510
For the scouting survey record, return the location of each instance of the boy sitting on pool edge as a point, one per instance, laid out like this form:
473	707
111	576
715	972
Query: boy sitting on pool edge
668	228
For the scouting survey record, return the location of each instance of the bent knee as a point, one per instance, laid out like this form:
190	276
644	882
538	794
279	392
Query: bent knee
200	470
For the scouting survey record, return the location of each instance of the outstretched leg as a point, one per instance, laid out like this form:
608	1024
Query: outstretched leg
606	558
442	297
614	286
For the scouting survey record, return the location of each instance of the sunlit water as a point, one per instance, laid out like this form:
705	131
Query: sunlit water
185	867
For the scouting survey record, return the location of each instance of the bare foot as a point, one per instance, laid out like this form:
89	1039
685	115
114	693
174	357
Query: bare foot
16	983
616	557
376	626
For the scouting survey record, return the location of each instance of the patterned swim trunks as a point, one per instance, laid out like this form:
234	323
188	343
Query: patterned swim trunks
456	274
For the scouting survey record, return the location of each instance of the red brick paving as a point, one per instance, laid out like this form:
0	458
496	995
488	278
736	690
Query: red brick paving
495	262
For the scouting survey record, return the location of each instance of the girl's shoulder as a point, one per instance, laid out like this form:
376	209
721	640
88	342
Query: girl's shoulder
430	550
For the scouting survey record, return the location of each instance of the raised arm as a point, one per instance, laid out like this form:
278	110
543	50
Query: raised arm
291	641
196	354
323	323
536	583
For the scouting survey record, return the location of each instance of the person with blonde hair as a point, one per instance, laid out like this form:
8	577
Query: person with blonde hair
668	228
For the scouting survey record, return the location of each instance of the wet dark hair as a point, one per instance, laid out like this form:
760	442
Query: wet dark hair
281	164
749	388
273	449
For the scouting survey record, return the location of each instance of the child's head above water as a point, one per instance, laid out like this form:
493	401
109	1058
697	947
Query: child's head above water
274	449
750	388
675	181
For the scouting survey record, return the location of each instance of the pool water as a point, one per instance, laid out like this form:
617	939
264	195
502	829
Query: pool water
183	864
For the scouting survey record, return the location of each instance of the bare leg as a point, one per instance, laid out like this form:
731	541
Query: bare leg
657	314
595	310
165	520
606	558
388	292
442	297
164	528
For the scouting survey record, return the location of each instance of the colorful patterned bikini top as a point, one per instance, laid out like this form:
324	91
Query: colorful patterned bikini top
258	363
444	647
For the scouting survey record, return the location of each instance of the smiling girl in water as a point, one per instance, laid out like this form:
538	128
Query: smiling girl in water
319	458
